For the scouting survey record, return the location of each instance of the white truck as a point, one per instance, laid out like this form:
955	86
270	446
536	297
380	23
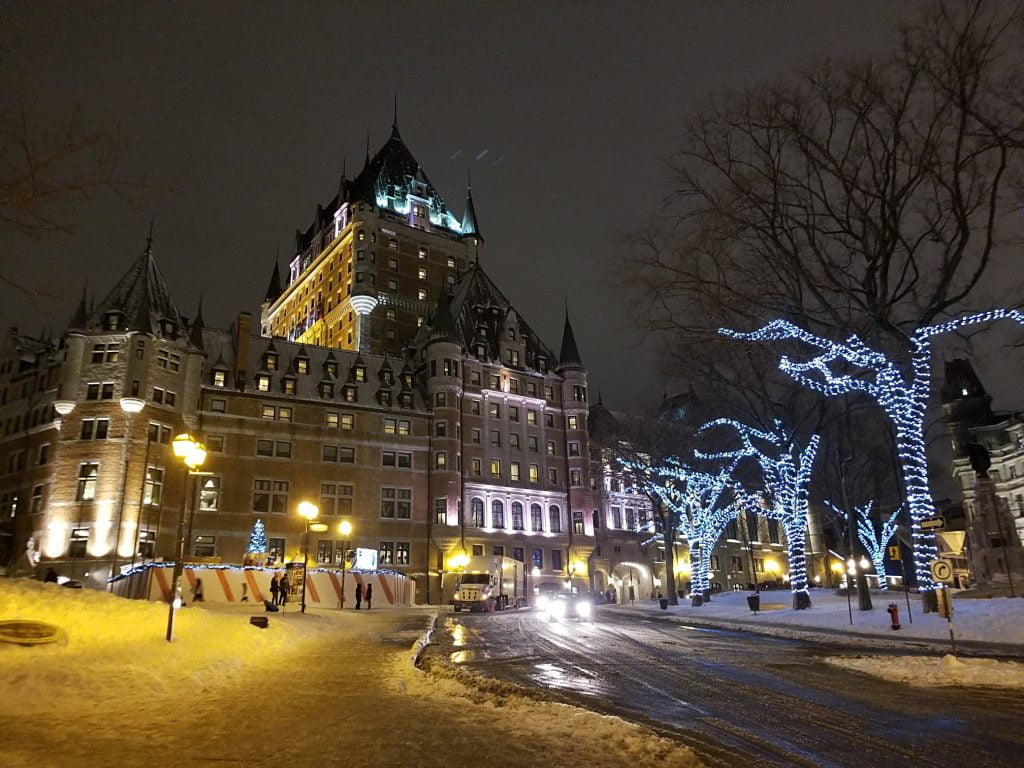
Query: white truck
490	584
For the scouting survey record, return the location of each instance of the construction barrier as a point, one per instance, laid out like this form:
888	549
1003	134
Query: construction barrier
237	584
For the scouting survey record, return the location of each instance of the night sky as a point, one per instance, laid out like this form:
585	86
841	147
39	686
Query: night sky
563	112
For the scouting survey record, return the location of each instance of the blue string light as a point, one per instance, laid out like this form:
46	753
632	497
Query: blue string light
874	540
904	400
786	473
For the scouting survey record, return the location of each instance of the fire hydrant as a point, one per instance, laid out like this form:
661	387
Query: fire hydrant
894	615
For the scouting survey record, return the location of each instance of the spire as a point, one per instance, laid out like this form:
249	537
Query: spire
81	316
274	287
394	122
442	326
469	226
149	238
569	357
366	164
196	331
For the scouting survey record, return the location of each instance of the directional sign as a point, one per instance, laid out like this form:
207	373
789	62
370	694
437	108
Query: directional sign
942	570
933	522
894	552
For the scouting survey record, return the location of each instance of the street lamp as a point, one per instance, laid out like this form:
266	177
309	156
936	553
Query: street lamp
193	454
345	529
308	510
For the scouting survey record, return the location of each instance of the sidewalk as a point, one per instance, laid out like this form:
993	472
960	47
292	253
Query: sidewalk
320	689
983	627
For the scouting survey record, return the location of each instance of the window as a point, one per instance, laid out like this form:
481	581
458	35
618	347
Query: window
752	528
555	518
534	473
495	467
79	541
513	413
268	412
218	406
270	361
396	503
108	353
204	546
37	500
574	449
475	467
338	453
421	273
517	517
270	496
441	511
92	391
553	476
538	558
513	357
350	394
215	443
159	433
209	494
531	418
402	553
94	429
475	436
397	427
323	550
168	360
440	429
551	447
474	407
556	559
440	460
336	498
288	385
630	518
573	422
536	518
476	507
153	491
147	544
549	420
275	549
439	399
494	411
773	531
531	444
577	522
87	474
575	477
514	470
478	550
495	438
421	294
394	459
498	550
274	449
263	383
301	365
495	381
513	441
597	520
497	514
43	457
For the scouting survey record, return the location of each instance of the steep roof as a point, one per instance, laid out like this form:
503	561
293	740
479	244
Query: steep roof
569	357
274	286
470	227
142	297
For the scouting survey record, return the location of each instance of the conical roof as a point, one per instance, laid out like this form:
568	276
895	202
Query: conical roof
569	357
274	286
441	326
470	227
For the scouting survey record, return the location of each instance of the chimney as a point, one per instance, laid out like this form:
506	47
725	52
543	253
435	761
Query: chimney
243	328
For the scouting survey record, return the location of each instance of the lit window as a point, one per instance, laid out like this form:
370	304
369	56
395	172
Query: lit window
514	470
421	294
421	273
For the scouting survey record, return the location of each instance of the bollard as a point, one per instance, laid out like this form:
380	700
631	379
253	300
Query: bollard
894	615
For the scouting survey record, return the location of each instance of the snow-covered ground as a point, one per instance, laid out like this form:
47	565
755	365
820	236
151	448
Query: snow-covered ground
324	688
945	671
998	620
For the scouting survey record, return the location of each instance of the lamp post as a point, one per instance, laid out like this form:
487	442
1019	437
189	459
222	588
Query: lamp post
193	454
308	510
130	406
345	529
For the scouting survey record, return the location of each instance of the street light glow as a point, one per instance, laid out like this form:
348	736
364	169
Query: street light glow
345	528
308	510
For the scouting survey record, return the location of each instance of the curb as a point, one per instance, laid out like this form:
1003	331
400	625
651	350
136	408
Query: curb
424	640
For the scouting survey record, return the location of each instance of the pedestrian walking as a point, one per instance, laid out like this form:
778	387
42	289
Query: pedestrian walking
359	595
245	593
197	592
285	586
369	595
275	588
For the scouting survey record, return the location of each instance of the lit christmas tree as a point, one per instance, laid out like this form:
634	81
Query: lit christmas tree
258	537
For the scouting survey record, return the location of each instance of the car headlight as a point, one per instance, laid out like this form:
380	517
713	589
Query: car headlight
583	608
558	608
543	602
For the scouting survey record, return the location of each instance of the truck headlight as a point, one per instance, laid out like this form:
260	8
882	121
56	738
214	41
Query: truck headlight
583	609
558	608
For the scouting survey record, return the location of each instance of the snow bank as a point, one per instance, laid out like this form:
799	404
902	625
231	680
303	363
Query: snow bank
585	737
111	640
945	671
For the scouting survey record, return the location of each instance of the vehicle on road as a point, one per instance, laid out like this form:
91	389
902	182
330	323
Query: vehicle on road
489	584
565	605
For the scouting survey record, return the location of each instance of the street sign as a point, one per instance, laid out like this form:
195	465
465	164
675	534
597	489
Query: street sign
932	522
942	570
894	552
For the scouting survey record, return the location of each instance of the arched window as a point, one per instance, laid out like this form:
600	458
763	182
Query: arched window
497	514
536	518
555	515
517	516
477	511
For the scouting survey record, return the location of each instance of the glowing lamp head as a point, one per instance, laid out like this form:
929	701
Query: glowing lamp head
458	561
63	407
308	510
318	527
189	450
345	528
865	563
132	404
364	299
772	566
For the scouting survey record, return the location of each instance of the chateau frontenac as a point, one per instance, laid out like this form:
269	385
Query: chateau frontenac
388	381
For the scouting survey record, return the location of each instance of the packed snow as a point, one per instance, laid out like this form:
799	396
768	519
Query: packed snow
317	689
999	621
948	670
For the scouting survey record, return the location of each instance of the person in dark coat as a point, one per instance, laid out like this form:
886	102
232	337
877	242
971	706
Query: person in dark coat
275	588
50	577
359	596
284	589
197	592
369	595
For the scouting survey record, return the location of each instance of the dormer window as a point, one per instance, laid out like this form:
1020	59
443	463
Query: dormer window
407	380
263	383
361	235
327	390
270	361
406	401
481	351
511	334
384	397
331	369
219	378
542	365
359	373
112	321
393	244
302	365
388	377
288	385
168	328
350	394
423	253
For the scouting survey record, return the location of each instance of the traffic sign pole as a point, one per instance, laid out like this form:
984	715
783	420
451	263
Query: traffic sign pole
903	577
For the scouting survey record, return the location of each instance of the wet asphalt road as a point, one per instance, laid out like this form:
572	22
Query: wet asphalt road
737	698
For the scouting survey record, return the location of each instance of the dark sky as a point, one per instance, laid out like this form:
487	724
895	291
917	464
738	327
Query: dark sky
564	113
